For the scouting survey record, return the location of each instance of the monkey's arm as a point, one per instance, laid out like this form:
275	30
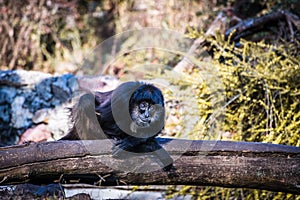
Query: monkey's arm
144	145
127	144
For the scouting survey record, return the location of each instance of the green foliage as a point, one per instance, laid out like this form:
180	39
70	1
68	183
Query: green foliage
266	79
210	193
250	92
245	93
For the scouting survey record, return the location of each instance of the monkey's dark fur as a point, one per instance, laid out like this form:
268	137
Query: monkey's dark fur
133	115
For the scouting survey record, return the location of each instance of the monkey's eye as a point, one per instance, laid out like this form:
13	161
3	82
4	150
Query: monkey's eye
144	105
152	108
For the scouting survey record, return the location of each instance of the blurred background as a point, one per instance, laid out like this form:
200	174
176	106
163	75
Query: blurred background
54	36
258	69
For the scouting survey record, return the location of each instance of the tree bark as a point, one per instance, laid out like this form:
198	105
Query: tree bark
215	163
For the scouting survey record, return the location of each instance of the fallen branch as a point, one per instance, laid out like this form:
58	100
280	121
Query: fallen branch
215	163
216	25
249	25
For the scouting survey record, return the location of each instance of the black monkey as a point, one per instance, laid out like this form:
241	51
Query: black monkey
133	115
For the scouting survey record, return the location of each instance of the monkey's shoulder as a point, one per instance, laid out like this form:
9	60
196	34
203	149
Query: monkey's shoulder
102	97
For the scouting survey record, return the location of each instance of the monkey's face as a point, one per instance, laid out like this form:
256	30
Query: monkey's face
145	113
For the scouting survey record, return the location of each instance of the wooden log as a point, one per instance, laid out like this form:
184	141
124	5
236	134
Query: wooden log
216	163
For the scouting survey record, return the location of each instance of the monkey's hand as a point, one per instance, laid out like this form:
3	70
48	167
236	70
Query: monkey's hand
169	168
127	144
141	145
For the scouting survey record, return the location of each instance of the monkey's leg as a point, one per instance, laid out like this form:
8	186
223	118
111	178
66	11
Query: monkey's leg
159	152
86	125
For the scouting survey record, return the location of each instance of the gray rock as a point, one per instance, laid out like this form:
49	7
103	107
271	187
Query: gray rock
43	89
60	89
29	98
5	113
73	84
7	94
20	78
20	116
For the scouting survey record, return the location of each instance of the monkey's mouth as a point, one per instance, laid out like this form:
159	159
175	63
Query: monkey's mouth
144	122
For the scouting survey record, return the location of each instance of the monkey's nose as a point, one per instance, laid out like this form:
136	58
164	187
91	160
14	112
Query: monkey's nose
146	114
145	119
